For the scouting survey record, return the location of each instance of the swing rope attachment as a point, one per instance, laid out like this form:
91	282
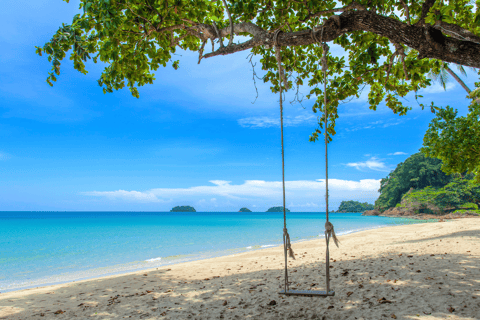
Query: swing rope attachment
279	60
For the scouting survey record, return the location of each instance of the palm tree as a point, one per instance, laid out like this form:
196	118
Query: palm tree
442	76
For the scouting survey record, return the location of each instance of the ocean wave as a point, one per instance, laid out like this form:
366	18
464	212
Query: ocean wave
268	245
154	259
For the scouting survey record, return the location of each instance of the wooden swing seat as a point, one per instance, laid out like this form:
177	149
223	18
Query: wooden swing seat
308	293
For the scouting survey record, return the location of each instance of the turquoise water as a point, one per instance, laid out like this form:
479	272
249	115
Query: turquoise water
42	248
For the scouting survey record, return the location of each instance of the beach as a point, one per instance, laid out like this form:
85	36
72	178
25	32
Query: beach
418	271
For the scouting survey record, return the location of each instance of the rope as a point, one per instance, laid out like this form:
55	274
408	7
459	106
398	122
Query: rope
286	237
291	254
325	68
279	59
331	233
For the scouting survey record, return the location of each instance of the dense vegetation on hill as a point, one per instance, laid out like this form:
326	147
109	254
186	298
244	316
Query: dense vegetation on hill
416	172
420	186
183	209
277	209
354	206
458	196
244	210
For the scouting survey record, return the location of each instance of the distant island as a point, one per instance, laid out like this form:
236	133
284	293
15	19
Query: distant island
277	209
354	206
244	210
183	209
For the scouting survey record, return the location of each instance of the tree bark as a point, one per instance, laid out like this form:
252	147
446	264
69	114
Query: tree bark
427	40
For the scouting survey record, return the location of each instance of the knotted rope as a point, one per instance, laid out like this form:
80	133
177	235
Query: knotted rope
331	233
291	254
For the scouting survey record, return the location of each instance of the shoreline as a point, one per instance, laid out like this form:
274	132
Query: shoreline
405	270
198	257
418	216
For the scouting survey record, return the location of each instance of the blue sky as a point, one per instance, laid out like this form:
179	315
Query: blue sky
193	138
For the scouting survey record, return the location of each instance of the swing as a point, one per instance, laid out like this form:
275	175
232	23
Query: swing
329	232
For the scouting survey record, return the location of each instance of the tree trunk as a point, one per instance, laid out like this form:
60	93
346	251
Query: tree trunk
453	74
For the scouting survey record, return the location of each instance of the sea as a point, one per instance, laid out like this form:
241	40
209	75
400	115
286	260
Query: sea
44	248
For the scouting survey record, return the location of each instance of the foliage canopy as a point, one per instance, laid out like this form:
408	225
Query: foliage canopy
459	194
392	46
416	172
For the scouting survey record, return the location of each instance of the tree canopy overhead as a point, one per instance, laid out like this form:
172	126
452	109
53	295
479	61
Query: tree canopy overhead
392	45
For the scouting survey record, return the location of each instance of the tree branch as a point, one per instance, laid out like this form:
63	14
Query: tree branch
200	52
407	12
427	40
425	9
231	23
456	31
218	35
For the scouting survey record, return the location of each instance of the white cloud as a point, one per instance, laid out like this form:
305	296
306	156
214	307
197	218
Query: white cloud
392	123
399	153
267	122
376	124
373	164
305	205
256	193
220	182
126	195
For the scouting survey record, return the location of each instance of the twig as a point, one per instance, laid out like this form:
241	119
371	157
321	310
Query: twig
351	6
158	13
148	21
289	28
218	35
425	9
177	41
407	12
402	58
390	65
200	52
134	32
253	76
231	22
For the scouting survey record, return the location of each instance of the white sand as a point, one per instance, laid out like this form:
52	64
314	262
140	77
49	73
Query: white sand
424	271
